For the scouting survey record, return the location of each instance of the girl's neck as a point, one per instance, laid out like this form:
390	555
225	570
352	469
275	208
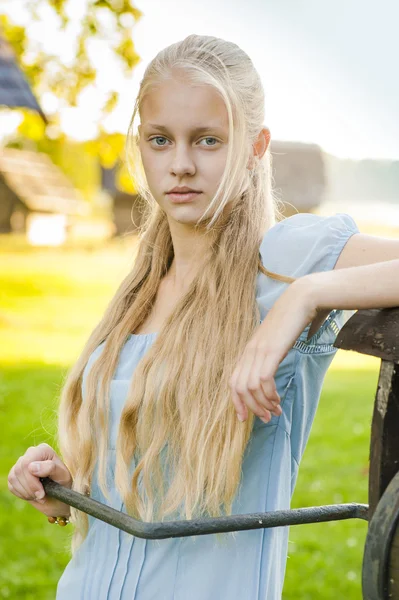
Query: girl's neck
190	250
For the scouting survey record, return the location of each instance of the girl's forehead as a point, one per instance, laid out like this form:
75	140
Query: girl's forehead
181	100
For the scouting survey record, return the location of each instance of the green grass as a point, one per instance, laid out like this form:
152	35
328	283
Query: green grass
325	559
49	302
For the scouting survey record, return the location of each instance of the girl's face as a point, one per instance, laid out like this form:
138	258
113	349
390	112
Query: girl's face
183	143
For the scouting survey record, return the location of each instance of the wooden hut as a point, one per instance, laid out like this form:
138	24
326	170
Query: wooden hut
126	207
35	194
299	174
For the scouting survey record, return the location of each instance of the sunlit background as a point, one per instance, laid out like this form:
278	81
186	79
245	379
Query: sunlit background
69	74
328	68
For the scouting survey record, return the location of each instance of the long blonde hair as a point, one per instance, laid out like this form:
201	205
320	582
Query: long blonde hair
178	415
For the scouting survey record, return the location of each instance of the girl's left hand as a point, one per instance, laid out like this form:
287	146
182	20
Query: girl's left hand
252	382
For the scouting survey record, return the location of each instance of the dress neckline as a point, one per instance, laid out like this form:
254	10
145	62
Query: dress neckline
142	335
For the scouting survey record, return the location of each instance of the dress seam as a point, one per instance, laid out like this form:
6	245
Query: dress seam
310	347
267	497
127	566
115	562
84	586
295	369
291	382
106	532
294	459
283	429
315	349
342	238
177	567
329	322
117	558
141	569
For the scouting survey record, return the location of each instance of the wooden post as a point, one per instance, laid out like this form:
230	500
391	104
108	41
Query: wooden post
376	332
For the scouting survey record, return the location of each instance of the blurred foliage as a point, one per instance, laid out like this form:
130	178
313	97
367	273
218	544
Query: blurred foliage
111	21
124	180
47	72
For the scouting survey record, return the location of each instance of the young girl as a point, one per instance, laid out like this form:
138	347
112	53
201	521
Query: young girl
195	394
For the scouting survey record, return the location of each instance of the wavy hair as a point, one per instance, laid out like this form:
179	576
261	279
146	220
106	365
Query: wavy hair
178	426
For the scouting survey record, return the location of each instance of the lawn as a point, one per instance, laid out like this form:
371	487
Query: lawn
49	302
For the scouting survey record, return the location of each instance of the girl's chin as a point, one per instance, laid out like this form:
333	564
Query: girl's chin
186	217
182	211
185	221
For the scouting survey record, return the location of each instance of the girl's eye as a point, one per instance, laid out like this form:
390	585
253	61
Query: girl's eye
161	137
210	138
158	137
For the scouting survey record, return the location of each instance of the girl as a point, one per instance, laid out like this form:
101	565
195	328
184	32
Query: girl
195	394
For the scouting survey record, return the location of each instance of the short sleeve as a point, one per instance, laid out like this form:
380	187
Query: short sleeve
297	246
306	243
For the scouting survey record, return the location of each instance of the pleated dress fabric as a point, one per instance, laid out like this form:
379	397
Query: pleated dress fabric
113	565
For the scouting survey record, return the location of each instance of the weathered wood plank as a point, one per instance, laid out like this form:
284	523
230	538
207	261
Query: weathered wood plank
373	331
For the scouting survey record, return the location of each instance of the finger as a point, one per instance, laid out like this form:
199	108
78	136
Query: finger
263	393
264	403
20	481
16	489
53	469
266	375
268	383
256	402
262	398
269	389
32	485
59	472
28	479
240	406
259	403
44	452
250	402
249	358
244	368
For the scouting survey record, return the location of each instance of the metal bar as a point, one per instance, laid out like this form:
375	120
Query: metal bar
170	529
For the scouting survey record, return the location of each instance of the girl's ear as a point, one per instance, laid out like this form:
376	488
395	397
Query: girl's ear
260	146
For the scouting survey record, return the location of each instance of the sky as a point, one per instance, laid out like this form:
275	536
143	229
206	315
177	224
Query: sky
329	69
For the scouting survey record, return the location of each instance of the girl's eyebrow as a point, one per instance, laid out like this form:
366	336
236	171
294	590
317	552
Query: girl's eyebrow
195	130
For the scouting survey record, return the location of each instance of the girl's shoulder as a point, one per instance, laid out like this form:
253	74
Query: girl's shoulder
296	246
306	243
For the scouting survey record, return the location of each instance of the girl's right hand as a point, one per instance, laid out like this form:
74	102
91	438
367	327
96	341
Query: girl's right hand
24	480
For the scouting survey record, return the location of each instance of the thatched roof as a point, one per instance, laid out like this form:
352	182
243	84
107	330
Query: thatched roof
39	183
15	90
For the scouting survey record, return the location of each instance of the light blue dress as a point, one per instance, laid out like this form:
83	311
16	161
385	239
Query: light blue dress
112	565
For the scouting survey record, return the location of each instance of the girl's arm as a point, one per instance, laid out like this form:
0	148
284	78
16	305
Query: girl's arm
360	250
366	276
353	288
306	301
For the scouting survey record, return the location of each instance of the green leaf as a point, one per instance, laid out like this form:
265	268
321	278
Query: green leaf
47	73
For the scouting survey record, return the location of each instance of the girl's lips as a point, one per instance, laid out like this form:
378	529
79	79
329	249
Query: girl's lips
177	198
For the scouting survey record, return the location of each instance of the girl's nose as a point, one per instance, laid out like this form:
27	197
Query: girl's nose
182	163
